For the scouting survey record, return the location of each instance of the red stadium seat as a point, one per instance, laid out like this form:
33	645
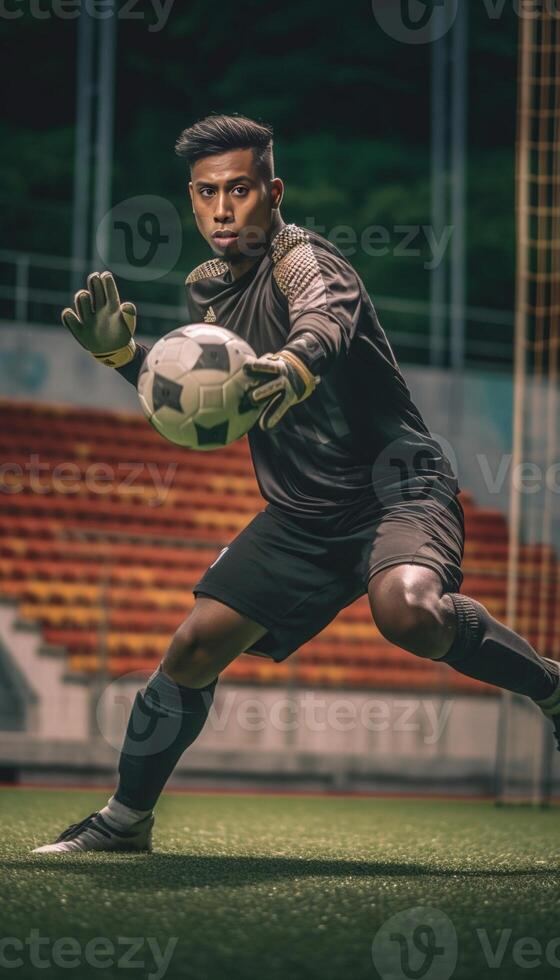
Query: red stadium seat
106	572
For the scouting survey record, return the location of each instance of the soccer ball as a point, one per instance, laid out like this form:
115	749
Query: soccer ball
193	389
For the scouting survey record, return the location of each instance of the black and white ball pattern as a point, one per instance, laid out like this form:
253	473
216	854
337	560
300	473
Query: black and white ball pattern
192	387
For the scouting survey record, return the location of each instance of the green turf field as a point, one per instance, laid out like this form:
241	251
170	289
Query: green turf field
287	887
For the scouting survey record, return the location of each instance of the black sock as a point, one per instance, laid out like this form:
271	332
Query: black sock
486	649
165	719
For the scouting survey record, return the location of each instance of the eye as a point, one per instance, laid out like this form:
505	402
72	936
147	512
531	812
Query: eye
240	190
206	192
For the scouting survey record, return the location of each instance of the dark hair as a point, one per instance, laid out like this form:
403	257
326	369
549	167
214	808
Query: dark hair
218	134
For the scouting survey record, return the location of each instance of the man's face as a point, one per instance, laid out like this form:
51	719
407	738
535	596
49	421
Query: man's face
233	204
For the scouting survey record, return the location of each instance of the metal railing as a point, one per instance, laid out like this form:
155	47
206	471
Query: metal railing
34	287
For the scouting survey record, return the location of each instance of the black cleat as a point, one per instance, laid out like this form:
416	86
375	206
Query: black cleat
551	705
95	833
555	719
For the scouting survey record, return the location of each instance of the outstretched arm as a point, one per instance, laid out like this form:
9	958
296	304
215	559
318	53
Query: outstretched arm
324	299
324	302
131	370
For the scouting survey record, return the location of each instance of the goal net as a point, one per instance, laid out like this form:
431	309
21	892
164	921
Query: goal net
525	748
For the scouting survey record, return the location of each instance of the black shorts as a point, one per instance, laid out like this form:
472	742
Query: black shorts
294	581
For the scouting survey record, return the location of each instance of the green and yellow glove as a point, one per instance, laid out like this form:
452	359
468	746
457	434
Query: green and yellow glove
101	323
284	376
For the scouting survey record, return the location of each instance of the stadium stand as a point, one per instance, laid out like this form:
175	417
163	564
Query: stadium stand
103	557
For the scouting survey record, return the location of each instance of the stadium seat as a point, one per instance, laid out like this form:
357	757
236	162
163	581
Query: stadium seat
106	572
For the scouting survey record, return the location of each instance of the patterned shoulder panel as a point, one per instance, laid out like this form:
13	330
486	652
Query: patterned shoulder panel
286	238
295	265
207	270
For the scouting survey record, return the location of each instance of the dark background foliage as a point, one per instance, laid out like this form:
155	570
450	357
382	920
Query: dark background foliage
350	107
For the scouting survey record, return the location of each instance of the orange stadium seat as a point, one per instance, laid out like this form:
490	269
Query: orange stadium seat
106	572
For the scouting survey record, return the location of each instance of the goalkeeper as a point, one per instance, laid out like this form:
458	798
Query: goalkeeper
360	497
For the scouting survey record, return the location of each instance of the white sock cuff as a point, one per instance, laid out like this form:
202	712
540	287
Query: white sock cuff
123	814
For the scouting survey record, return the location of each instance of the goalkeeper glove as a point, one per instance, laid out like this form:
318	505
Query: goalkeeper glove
101	323
292	382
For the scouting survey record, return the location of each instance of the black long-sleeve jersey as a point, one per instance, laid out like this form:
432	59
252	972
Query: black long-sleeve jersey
358	441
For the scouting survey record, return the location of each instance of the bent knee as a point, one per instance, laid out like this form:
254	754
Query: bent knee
193	653
411	622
